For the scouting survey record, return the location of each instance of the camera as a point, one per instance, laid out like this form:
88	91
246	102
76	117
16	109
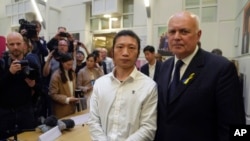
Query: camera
23	63
29	27
79	43
64	34
27	70
79	93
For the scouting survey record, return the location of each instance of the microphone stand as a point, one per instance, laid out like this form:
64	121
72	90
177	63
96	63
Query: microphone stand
15	131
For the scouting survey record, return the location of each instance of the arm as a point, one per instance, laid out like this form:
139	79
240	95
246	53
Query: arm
147	119
47	65
229	102
84	47
54	91
95	127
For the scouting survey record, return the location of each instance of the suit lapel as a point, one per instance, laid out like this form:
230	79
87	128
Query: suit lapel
168	78
192	72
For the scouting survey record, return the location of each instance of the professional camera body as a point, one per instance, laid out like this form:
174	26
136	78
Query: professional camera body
29	27
28	72
64	34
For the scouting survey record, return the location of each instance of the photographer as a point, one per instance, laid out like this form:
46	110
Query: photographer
31	31
52	62
61	34
16	111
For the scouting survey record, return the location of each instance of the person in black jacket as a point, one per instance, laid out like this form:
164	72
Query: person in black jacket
16	90
200	99
151	68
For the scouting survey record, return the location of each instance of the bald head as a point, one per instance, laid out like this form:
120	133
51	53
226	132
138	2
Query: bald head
183	34
14	35
189	16
15	45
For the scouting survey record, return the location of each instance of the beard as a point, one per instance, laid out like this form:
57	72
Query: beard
16	53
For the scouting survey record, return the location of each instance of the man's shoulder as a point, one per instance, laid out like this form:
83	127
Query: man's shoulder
141	76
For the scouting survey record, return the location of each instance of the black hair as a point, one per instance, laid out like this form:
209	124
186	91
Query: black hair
217	51
127	33
96	53
64	57
36	23
92	55
149	48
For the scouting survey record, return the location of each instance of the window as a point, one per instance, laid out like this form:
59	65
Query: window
115	21
205	9
128	11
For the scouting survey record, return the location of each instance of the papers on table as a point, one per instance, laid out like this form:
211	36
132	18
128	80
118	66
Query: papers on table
55	132
50	135
81	119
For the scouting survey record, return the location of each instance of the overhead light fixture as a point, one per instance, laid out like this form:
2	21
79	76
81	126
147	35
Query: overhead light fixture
38	14
114	19
146	2
106	16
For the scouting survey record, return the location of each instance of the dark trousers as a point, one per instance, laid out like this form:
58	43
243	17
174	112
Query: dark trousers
13	121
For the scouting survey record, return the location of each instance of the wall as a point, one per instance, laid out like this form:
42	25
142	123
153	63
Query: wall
244	60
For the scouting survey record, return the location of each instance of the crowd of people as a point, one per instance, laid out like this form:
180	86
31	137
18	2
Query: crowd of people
186	97
39	79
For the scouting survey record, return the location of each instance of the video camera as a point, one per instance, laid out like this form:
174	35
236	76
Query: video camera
29	27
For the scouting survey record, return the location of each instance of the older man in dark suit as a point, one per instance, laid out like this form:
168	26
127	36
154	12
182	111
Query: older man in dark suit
205	99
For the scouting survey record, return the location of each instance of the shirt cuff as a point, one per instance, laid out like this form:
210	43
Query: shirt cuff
67	100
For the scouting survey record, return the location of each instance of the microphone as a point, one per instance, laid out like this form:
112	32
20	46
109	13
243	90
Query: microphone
52	121
66	124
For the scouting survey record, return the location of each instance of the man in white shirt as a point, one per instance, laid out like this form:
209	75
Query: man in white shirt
123	103
151	68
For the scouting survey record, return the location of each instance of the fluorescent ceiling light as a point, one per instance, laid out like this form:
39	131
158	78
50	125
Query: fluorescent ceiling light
146	2
38	14
114	19
106	16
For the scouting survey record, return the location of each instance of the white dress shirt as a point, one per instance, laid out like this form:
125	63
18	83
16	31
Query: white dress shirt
123	110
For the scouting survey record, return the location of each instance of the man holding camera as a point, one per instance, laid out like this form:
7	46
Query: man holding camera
61	34
16	90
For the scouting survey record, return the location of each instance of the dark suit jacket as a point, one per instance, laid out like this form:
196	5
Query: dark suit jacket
145	69
203	107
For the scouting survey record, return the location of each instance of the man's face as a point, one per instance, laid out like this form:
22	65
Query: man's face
183	35
149	56
63	46
15	45
125	52
80	57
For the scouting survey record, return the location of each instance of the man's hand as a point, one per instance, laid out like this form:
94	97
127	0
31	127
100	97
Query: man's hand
30	82
15	66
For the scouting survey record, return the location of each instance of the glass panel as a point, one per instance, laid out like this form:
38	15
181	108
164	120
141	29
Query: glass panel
209	2
196	11
21	8
128	6
192	2
15	8
209	14
116	22
127	21
105	23
94	24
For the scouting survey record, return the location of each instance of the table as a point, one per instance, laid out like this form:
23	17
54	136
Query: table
78	133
